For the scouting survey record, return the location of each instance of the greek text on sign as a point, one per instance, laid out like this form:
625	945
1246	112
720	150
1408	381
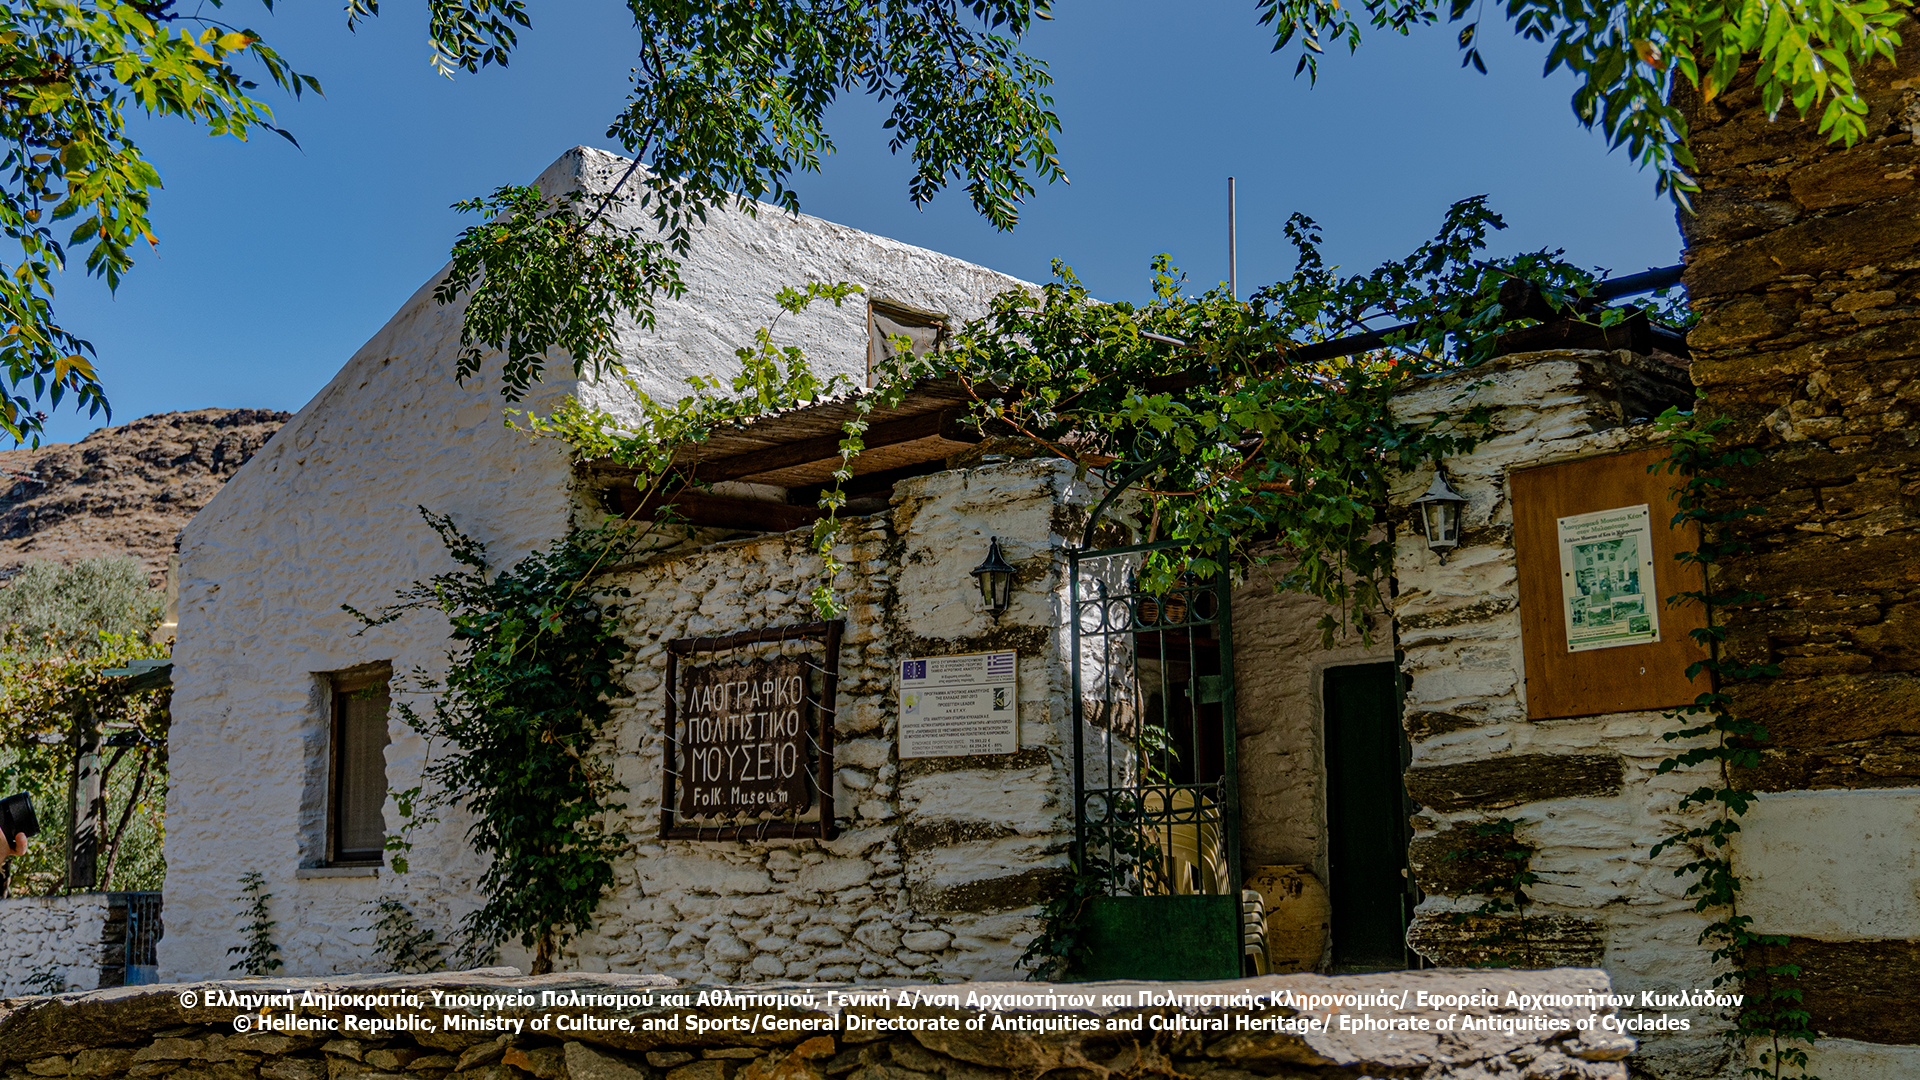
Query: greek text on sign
952	706
1607	594
743	739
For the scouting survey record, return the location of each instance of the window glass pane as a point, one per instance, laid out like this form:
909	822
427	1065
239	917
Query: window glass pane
359	830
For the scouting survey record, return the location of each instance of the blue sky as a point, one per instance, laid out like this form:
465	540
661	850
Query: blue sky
276	263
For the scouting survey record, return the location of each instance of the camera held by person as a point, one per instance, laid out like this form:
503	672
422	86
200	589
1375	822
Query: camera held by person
17	823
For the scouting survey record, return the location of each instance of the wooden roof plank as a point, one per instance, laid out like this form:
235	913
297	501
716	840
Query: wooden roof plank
720	511
872	460
945	425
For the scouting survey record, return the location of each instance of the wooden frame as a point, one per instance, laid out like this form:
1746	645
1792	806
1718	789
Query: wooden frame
828	634
339	685
1629	678
905	315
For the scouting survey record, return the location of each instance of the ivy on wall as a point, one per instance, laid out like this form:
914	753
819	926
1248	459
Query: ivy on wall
1773	1015
530	683
1508	865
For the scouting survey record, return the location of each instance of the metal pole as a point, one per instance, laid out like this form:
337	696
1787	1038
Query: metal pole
1233	255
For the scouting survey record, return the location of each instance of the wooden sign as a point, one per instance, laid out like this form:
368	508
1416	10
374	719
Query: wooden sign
1576	665
749	718
743	739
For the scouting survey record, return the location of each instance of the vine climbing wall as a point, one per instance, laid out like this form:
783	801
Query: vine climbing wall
1804	265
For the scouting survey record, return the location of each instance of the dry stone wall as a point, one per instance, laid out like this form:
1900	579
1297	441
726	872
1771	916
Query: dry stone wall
1804	266
173	1031
1587	791
55	938
940	862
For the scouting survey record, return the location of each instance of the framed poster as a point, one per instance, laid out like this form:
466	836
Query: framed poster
956	706
1610	517
1607	596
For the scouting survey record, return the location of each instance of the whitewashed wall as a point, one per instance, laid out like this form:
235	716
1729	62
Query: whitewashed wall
58	934
939	861
1602	900
326	514
736	265
1278	664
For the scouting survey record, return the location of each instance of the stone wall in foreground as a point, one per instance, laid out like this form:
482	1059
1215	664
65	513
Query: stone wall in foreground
54	937
144	1032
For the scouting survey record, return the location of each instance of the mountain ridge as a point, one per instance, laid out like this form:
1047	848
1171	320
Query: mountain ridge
128	489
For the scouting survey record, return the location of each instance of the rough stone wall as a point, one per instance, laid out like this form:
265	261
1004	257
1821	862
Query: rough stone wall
327	514
940	861
56	934
1804	265
148	1032
1586	789
1277	666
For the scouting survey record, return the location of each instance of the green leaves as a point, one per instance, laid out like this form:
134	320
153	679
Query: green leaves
729	102
540	277
730	97
530	682
1630	55
1239	448
70	71
1771	1023
258	953
771	378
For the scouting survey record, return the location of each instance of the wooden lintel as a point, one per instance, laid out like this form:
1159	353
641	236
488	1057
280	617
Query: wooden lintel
722	512
946	424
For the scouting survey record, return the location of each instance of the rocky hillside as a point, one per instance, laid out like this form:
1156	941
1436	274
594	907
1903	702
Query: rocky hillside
124	490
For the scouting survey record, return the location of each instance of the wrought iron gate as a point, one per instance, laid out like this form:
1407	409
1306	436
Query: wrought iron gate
1156	794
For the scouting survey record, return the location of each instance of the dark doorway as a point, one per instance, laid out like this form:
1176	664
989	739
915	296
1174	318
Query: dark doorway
1367	811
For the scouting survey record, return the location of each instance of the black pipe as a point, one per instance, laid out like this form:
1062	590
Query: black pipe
1610	289
1645	281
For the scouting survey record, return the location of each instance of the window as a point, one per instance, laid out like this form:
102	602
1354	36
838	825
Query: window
357	791
889	320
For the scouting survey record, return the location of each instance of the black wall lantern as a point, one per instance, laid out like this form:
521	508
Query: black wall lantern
1440	513
995	576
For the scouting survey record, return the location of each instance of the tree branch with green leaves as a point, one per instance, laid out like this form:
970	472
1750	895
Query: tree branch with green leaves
1236	447
1629	57
71	72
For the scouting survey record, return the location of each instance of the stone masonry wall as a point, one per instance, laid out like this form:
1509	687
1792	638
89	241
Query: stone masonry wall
1586	789
1804	266
175	1032
58	935
940	862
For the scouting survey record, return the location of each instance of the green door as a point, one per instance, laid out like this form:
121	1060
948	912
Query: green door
1367	811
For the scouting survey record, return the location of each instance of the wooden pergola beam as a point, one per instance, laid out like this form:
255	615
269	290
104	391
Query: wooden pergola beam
724	512
947	424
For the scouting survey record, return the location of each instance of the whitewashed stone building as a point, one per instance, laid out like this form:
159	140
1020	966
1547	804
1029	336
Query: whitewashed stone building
327	514
283	752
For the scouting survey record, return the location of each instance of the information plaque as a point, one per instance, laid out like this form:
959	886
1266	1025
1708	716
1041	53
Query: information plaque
954	706
1607	596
